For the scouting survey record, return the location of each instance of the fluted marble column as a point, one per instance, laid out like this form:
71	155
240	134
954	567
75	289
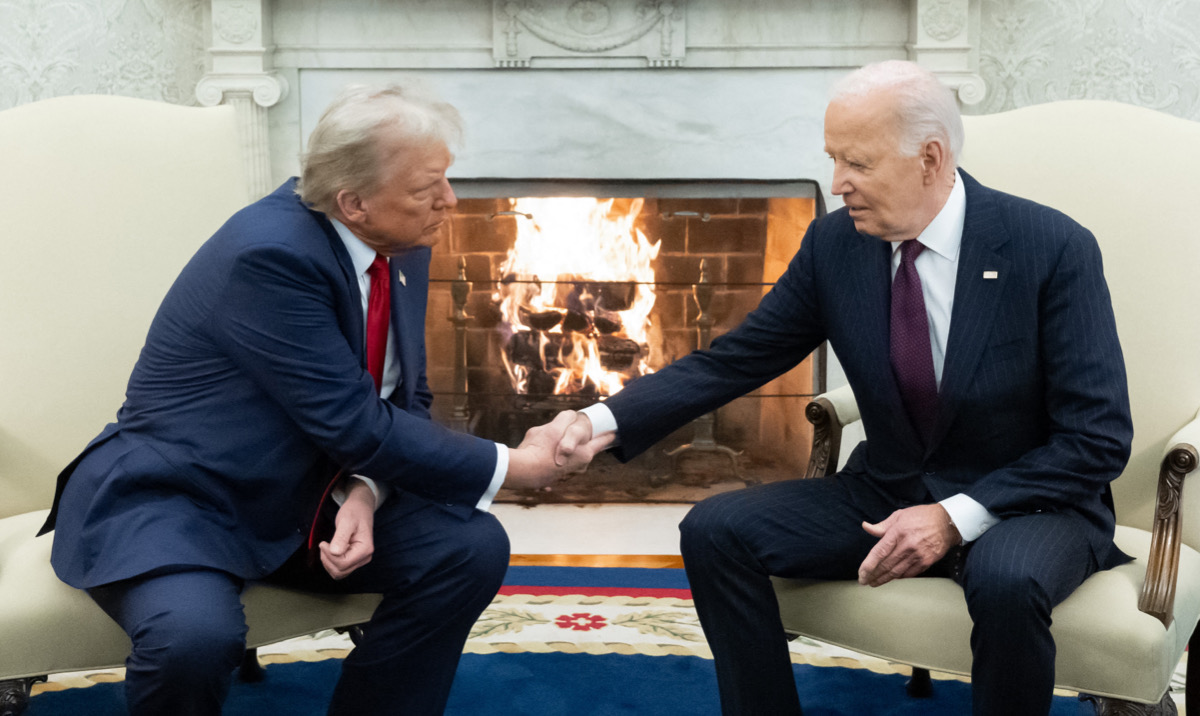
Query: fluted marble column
240	75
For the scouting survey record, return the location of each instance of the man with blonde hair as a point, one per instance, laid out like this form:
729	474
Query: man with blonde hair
977	333
290	350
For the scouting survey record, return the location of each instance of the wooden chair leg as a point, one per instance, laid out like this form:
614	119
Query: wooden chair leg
251	671
920	686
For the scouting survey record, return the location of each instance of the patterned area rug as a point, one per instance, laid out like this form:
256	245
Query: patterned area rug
595	616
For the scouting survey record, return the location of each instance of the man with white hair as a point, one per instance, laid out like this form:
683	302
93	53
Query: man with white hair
290	350
977	333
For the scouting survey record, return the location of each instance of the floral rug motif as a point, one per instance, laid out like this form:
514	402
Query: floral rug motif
575	623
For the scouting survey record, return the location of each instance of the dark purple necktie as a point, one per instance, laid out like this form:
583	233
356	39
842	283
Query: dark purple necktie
911	354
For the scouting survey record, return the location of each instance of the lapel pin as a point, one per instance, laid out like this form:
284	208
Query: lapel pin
991	274
404	281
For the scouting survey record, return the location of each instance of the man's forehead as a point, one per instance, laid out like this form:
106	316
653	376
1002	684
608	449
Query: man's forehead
859	122
876	107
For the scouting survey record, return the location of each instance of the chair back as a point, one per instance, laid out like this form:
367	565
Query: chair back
1131	176
102	201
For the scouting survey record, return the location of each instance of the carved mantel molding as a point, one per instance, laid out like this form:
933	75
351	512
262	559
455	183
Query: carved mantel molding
943	36
598	30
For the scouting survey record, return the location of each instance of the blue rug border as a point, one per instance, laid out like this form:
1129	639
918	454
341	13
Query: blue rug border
607	577
557	684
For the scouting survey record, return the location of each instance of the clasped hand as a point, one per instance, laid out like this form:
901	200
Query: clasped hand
552	451
353	540
910	541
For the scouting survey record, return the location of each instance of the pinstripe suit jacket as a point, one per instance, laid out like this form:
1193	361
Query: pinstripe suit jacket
1034	408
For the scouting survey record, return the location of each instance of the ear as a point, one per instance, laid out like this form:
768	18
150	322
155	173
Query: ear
351	206
934	160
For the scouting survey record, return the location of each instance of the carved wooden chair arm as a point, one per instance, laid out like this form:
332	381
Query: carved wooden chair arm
1158	590
829	413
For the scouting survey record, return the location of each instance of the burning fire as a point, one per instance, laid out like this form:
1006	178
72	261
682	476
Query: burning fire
576	294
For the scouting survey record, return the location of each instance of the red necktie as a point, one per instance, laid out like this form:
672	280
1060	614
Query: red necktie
911	354
378	315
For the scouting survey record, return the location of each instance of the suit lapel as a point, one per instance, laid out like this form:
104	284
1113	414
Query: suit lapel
401	327
983	271
351	322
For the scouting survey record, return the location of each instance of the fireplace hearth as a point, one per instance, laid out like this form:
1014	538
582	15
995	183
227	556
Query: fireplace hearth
655	270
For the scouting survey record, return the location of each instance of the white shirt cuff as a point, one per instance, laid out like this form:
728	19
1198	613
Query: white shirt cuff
602	419
971	518
485	502
380	491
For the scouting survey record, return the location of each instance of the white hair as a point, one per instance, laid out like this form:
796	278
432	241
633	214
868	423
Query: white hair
927	108
362	131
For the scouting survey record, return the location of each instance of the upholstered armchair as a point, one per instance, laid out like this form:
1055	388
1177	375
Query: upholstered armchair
102	201
1131	176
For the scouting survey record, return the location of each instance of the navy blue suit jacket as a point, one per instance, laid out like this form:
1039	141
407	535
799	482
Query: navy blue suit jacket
1034	408
250	392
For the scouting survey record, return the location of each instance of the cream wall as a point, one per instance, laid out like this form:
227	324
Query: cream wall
1143	52
152	49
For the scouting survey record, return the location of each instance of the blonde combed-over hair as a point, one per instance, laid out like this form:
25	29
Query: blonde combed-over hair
362	131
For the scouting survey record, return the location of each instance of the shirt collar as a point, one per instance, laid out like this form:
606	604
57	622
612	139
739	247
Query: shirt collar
361	255
943	236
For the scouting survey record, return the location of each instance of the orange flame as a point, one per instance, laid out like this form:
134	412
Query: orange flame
584	267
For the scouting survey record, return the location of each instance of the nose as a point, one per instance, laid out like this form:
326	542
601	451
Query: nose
448	199
840	184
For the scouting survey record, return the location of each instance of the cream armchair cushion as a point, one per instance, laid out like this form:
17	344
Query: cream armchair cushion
102	201
1130	175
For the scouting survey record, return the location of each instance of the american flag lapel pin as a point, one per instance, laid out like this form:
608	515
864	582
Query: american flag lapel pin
991	274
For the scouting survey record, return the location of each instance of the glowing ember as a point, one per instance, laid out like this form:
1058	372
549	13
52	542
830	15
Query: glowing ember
576	294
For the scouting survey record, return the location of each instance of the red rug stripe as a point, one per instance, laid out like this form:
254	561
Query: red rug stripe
596	591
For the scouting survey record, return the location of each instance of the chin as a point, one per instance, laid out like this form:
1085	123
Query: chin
863	227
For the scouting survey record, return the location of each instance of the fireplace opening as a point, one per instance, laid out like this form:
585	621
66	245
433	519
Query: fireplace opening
561	292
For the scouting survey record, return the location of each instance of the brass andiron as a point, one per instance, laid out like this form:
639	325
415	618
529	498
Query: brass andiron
702	427
460	289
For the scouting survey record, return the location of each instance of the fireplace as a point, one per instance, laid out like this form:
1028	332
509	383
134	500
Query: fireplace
551	294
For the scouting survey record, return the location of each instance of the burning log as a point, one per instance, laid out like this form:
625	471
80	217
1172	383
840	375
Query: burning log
619	354
540	320
525	349
576	322
616	295
606	326
541	383
585	330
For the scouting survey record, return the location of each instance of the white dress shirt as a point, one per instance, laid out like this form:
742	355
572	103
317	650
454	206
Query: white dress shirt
937	266
361	256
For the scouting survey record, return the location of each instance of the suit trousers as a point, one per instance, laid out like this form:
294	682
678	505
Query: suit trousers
734	542
436	571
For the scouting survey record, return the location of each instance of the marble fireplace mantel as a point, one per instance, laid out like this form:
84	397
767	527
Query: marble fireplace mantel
278	62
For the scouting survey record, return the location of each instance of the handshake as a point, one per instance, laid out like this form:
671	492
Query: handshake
552	451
